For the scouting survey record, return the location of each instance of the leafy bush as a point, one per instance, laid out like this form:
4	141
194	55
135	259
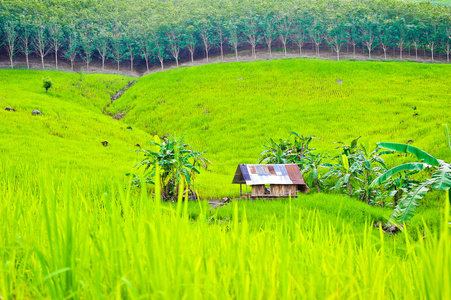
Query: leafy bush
47	83
175	161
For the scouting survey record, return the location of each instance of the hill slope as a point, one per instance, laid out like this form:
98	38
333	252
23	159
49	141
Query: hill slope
228	109
72	127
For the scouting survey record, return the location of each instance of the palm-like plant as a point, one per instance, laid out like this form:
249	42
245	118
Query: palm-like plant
346	175
277	153
368	166
345	171
301	145
399	185
177	161
285	151
440	179
311	163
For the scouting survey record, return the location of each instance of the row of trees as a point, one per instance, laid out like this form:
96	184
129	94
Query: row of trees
153	30
360	173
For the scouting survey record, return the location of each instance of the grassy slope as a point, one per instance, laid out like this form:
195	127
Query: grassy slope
250	101
78	235
72	127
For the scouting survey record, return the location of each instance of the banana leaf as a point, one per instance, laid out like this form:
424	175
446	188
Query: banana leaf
406	207
414	166
442	177
420	154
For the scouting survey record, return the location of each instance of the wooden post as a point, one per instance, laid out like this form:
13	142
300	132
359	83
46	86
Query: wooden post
241	190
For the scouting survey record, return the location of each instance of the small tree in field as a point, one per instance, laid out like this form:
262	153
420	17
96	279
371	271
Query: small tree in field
47	83
177	162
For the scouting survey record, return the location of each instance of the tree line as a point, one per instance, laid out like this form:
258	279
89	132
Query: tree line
156	31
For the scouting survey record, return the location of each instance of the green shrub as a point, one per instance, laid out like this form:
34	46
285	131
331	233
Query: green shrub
47	83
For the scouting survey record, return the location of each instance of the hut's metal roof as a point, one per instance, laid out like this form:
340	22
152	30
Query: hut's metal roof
268	174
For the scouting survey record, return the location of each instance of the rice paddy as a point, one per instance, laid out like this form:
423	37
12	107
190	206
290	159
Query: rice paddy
73	228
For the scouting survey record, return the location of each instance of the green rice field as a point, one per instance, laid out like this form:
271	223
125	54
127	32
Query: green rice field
74	228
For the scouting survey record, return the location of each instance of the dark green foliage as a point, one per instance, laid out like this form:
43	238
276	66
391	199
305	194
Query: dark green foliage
121	29
47	83
358	172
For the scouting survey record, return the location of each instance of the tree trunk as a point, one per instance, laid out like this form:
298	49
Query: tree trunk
87	66
269	44
400	49
147	62
431	45
285	48
206	52
447	52
72	64
369	46
42	61
103	62
26	58
192	56
222	51
118	66
236	52
56	58
337	49
353	50
132	59
161	62
317	185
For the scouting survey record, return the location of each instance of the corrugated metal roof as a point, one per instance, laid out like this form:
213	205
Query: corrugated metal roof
268	174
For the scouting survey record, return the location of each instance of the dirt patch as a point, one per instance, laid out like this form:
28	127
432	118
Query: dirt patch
116	96
387	228
215	203
119	93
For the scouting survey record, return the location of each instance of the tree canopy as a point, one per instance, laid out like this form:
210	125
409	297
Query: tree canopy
156	31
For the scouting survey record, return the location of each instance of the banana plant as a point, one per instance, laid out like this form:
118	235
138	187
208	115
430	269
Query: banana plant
277	153
311	163
345	170
177	162
301	145
440	179
368	165
347	176
399	185
349	149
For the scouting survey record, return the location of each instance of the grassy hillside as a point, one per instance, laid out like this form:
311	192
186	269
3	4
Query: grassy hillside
228	109
72	127
71	230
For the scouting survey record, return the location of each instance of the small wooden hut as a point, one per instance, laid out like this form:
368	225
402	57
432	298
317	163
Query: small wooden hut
270	181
